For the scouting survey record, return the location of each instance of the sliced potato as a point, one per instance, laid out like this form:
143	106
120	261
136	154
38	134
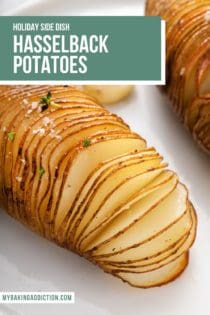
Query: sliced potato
108	94
150	180
76	174
187	60
86	160
156	277
155	248
155	218
159	261
103	171
115	191
60	147
97	177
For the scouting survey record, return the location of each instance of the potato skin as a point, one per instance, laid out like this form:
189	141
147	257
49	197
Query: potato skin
188	62
63	157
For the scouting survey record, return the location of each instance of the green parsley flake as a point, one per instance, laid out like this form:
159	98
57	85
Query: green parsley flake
46	101
11	135
41	171
86	143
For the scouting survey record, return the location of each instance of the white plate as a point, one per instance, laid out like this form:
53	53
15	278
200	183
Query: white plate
76	7
30	263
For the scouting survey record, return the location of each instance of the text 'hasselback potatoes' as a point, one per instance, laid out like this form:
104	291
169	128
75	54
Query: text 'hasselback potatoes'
188	61
76	174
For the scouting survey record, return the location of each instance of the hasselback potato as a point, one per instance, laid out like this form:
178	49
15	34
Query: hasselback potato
188	61
76	174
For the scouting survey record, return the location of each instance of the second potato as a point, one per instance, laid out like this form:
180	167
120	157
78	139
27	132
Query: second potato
108	94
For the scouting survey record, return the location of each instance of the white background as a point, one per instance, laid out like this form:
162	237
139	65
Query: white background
28	262
8	4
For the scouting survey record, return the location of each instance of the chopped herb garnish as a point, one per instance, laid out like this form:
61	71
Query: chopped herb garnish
41	171
46	101
86	143
11	135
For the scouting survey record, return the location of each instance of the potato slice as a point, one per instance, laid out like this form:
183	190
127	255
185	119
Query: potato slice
158	246
193	111
149	263
46	139
146	183
31	149
78	132
106	168
32	118
201	129
204	137
105	186
65	162
6	148
115	191
59	181
203	77
157	217
85	161
177	39
182	247
183	91
95	179
157	277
